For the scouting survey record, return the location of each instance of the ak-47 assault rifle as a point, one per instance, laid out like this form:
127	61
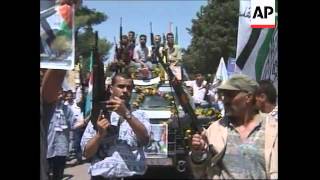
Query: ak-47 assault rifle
164	48
153	55
99	94
120	40
118	51
155	47
183	98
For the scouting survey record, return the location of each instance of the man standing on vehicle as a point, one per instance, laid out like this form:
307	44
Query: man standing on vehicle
141	56
173	56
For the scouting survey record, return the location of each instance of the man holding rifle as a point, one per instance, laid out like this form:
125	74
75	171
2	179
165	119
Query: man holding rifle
244	142
156	49
174	52
116	146
173	56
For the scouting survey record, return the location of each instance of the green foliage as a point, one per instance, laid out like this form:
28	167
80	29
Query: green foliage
88	17
214	35
85	18
86	43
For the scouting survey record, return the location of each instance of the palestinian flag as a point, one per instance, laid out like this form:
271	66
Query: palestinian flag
65	18
257	49
57	34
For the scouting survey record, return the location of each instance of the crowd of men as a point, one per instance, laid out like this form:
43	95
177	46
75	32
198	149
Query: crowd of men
241	145
132	57
244	141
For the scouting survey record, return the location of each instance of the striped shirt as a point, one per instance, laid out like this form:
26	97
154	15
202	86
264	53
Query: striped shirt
58	133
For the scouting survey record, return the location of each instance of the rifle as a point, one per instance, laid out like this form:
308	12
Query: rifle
208	87
120	51
151	35
116	49
120	37
164	51
99	93
153	55
183	99
164	40
120	28
182	96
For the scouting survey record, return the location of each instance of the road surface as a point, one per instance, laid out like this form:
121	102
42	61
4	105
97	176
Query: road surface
76	172
80	172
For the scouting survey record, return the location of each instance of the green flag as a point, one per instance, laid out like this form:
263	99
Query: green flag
88	102
91	62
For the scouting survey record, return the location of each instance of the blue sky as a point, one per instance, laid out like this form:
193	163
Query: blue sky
136	16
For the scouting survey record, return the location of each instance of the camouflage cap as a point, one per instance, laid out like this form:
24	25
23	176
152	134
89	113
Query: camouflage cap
239	82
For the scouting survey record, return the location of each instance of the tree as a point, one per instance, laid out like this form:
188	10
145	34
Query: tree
85	18
214	35
88	17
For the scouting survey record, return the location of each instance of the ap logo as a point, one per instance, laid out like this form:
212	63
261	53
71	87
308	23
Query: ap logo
262	14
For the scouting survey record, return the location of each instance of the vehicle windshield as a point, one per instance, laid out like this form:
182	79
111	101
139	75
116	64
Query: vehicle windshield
154	102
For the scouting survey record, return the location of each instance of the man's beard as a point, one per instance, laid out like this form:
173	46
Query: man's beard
230	111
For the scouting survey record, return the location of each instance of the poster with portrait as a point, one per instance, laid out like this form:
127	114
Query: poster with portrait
57	44
158	145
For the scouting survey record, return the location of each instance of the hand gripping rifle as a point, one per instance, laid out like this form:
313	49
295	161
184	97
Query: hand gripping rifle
120	37
151	35
99	94
120	28
183	99
164	50
153	55
164	40
117	52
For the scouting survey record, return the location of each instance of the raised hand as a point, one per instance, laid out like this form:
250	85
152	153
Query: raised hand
102	125
117	105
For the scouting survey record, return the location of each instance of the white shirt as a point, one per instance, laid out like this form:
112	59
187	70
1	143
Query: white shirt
77	115
78	94
198	92
141	54
119	155
274	113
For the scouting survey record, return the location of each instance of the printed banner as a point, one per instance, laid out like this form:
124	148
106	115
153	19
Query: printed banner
57	45
158	146
257	49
